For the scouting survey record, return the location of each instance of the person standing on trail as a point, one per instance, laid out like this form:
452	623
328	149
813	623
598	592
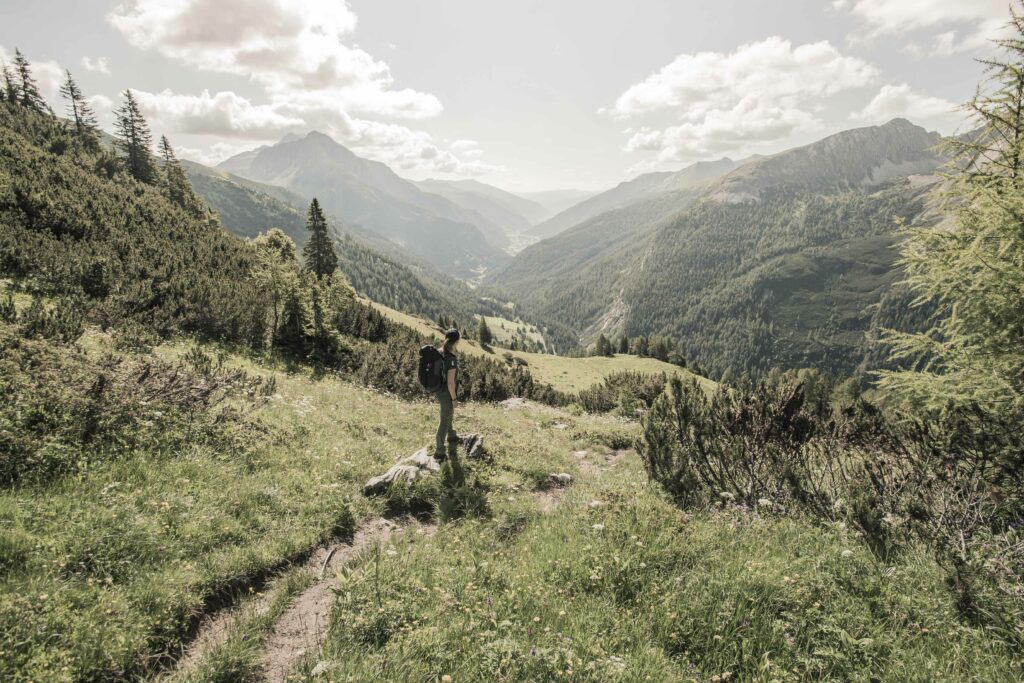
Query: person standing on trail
447	397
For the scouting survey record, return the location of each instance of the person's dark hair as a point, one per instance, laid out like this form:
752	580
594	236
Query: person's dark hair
450	337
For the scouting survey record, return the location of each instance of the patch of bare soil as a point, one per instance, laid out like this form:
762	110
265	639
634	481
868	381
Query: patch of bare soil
303	626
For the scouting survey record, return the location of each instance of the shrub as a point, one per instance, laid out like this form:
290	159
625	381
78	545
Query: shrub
66	411
742	444
626	393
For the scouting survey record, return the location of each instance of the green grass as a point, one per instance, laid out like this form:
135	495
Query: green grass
603	581
512	328
630	589
564	373
109	569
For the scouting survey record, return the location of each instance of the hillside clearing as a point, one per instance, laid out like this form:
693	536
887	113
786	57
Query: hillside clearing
564	373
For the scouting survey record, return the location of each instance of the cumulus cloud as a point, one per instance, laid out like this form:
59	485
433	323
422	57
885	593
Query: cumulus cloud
99	65
894	101
224	114
294	48
952	25
759	93
299	53
215	153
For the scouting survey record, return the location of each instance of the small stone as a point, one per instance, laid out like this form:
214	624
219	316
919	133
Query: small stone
561	479
322	667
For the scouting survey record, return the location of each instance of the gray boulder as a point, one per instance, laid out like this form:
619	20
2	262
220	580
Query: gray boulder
419	464
561	479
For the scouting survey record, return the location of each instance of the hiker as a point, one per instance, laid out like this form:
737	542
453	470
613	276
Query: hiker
447	397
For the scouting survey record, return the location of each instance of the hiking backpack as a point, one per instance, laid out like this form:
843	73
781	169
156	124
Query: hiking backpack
431	370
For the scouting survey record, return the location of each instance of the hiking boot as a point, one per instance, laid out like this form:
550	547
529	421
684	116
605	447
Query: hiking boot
440	457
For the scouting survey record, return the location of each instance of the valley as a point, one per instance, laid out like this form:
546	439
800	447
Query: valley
752	417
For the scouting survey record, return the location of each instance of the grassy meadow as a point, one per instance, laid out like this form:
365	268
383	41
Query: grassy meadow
564	373
106	572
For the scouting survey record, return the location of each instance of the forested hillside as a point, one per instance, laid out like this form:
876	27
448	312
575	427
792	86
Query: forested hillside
376	267
782	262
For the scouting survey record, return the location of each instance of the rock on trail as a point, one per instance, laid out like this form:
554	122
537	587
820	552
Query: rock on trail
421	464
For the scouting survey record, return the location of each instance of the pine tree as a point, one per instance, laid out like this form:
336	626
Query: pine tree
81	113
176	182
974	354
318	252
135	140
603	347
484	332
10	85
28	92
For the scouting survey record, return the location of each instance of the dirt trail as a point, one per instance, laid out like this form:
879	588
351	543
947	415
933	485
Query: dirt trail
305	620
594	464
590	465
303	626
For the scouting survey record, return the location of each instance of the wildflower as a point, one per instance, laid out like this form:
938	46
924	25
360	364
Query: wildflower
598	527
846	553
446	679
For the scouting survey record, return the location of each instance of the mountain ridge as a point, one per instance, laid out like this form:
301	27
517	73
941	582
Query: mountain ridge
370	194
748	269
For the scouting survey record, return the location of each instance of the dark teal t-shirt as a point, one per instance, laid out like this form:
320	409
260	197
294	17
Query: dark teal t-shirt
451	362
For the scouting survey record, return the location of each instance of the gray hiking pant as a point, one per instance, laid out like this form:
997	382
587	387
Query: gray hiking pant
445	431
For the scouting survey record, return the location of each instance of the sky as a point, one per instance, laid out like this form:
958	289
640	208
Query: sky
527	95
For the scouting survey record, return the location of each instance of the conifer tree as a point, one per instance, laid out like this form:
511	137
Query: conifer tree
81	113
624	345
135	140
318	251
176	182
484	332
28	91
603	347
974	354
11	93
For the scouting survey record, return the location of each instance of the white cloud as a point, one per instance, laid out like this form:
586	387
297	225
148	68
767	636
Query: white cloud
99	65
215	153
894	101
962	25
770	70
296	51
225	114
293	48
759	93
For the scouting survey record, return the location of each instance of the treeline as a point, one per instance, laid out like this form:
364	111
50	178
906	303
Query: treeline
936	459
655	346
